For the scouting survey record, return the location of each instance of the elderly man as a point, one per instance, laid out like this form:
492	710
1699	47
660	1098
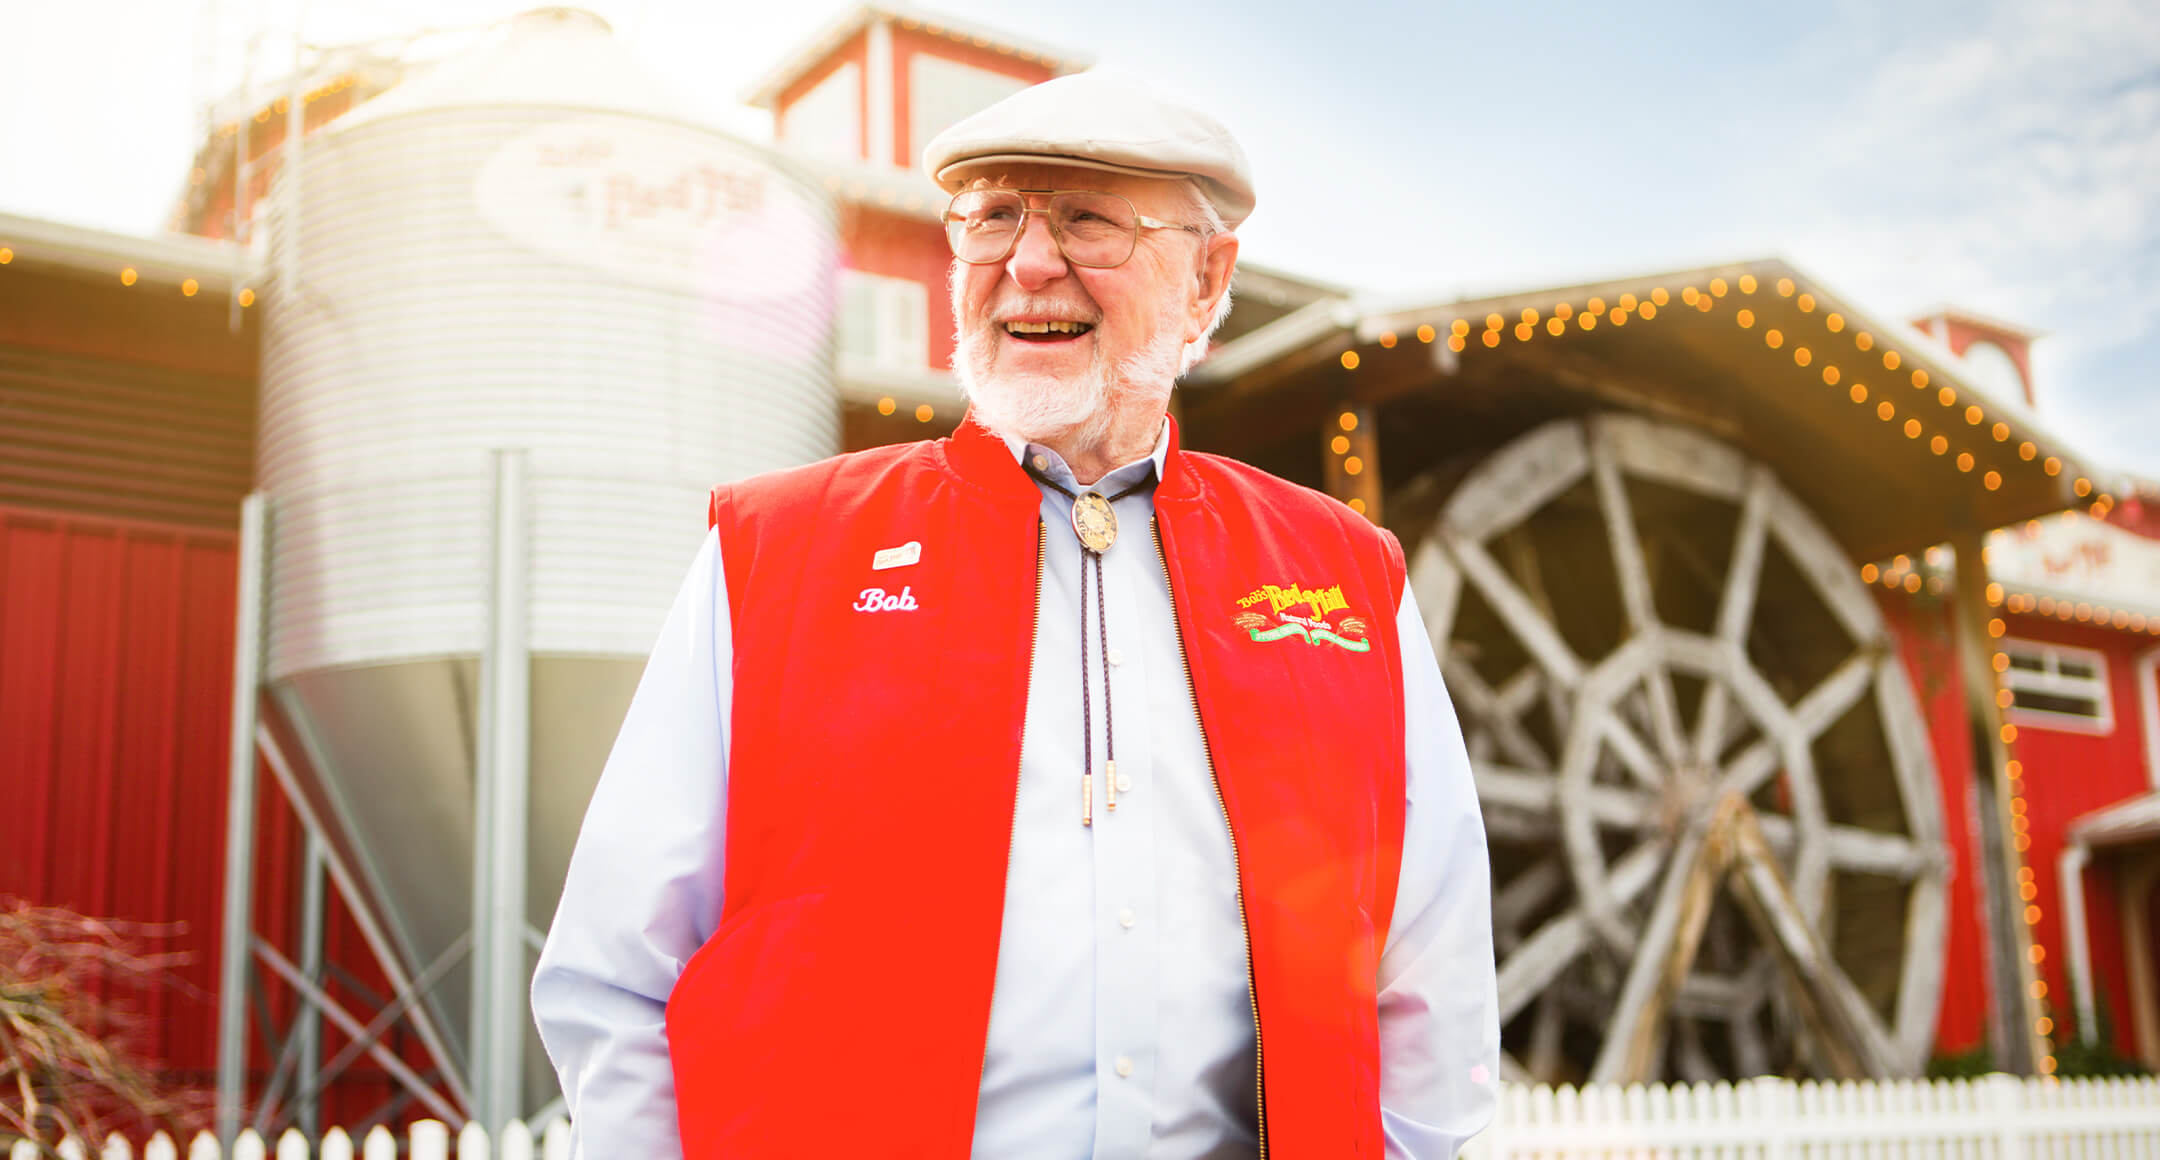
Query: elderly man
1044	791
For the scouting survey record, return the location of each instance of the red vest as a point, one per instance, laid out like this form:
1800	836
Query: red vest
875	754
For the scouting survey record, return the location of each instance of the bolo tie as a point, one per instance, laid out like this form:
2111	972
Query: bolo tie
1095	524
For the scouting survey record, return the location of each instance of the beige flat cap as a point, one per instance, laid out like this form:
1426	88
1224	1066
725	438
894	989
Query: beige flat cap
1099	120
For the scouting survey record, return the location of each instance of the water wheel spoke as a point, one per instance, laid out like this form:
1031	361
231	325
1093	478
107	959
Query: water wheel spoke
1713	996
1839	691
1539	468
1548	1024
1534	792
1757	698
1709	738
1557	705
1526	973
1751	1053
1855	849
1437	587
1823	564
1488	707
1579	830
1633	754
1750	769
1633	571
1519	693
1524	895
1743	577
1547	952
1514	607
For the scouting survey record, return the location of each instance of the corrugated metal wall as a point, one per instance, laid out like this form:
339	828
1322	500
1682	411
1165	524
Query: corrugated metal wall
136	404
116	654
138	441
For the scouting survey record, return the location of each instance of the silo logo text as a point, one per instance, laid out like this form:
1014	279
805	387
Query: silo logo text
702	194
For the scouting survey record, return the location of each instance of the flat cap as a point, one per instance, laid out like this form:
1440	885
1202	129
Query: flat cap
1099	119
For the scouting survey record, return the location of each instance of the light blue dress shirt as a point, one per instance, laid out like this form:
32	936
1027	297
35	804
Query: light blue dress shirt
1121	1021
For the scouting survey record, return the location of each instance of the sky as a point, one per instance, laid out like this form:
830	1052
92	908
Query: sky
1995	155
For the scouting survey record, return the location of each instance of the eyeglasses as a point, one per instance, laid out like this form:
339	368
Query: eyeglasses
1090	228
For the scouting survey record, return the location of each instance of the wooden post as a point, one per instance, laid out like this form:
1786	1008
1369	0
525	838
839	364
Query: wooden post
1635	1039
1350	448
1850	1041
2013	1009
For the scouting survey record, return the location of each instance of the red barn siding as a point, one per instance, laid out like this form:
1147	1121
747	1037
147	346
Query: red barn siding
2068	775
1926	642
115	686
116	646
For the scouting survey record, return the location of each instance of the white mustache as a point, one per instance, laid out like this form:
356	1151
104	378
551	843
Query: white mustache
1029	307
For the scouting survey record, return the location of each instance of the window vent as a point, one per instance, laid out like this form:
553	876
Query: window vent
2054	686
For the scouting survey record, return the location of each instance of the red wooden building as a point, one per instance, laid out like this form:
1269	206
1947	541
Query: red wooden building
2023	721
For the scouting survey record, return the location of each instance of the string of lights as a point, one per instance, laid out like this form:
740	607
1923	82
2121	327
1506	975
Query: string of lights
923	413
129	276
1901	573
1939	430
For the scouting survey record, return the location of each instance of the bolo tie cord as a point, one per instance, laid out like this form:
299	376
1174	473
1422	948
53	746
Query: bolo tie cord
1102	639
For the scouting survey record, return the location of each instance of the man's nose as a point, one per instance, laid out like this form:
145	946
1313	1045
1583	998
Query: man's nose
1035	259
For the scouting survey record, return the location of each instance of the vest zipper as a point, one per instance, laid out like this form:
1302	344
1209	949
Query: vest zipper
1012	823
1252	988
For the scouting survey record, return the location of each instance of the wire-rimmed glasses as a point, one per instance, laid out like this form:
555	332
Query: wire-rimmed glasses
1091	228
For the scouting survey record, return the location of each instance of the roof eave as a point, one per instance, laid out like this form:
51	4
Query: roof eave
168	259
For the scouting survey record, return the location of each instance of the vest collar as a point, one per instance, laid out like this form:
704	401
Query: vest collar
984	460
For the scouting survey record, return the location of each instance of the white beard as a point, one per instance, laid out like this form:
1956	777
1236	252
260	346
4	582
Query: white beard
1078	414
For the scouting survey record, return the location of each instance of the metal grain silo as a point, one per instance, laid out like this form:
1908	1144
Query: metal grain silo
523	315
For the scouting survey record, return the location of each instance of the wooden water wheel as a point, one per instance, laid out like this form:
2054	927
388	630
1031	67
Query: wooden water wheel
1716	830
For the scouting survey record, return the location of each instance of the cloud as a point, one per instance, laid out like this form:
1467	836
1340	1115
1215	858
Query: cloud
2010	164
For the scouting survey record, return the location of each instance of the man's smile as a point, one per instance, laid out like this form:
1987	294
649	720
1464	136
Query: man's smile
1047	330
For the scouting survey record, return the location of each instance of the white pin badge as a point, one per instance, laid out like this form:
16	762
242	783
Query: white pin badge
900	557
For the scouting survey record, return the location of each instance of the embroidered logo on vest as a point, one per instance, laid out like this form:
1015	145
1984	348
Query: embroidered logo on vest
879	600
1346	632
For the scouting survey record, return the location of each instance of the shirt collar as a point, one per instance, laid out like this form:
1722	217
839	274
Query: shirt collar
1053	465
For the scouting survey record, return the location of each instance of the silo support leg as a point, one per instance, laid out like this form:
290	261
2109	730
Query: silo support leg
238	918
500	979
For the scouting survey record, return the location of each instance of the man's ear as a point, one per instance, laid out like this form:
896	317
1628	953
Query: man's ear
1217	264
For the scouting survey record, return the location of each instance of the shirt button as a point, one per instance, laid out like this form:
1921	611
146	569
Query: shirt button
1126	918
1117	656
1124	783
1124	1066
1042	463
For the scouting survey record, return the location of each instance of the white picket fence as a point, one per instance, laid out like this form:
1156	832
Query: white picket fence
1996	1118
429	1140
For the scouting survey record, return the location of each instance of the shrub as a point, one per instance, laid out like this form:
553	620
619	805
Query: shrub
67	1064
